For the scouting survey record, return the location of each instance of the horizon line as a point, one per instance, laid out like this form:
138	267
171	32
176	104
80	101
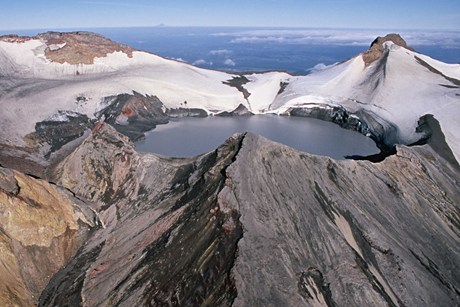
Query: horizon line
75	28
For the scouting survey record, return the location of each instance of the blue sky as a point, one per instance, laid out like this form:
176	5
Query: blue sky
389	14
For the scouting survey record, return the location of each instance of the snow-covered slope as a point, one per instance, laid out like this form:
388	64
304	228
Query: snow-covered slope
400	86
34	88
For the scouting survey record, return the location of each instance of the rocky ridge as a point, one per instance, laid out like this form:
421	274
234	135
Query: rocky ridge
73	47
308	229
171	223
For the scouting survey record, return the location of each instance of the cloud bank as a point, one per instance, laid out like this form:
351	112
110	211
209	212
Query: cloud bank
220	52
342	37
229	62
201	62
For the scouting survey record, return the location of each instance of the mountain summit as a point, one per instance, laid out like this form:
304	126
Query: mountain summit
73	47
376	49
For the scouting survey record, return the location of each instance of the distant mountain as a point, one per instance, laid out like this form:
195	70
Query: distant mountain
251	223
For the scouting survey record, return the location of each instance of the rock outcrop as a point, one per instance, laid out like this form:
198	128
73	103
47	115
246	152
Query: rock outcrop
241	110
259	223
133	114
41	229
79	47
73	47
376	50
186	112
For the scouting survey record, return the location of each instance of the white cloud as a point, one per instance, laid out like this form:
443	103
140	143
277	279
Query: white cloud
229	62
220	52
319	67
180	60
341	37
201	62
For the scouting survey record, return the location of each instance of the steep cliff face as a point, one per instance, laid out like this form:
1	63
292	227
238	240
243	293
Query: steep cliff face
170	227
259	223
41	228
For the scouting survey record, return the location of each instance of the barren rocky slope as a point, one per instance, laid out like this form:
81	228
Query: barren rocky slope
259	223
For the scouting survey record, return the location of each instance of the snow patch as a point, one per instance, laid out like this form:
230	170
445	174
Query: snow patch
54	47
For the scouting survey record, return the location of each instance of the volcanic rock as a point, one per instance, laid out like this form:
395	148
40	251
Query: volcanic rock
41	229
73	47
316	231
133	114
79	47
171	227
241	110
186	112
376	49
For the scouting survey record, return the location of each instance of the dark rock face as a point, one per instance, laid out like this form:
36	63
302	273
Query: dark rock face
283	86
134	114
365	122
241	110
67	127
313	287
186	112
239	82
429	126
336	114
316	231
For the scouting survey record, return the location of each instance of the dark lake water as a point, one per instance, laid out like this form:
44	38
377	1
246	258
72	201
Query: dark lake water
188	137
